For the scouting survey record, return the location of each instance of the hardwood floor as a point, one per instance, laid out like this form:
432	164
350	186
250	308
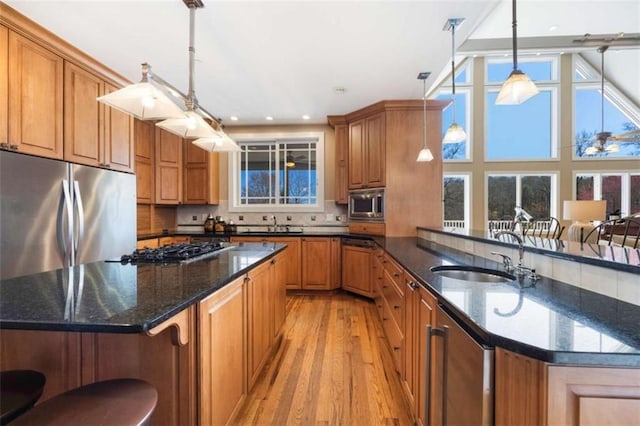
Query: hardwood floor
333	367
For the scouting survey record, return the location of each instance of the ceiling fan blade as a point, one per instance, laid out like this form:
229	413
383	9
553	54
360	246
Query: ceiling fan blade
632	136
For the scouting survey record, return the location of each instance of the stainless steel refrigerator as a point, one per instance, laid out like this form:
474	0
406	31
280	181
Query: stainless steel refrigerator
55	214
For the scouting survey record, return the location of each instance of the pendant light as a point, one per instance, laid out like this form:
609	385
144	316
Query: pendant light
602	137
518	87
425	154
455	132
154	99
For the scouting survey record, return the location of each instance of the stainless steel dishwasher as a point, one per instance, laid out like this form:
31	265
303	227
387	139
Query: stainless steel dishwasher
461	382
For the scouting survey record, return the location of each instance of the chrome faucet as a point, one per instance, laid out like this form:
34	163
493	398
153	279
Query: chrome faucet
518	239
519	269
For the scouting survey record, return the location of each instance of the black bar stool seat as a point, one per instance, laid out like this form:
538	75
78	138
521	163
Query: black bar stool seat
19	391
119	402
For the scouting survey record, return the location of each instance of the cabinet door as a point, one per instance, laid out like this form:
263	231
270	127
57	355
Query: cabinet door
201	176
411	350
4	87
35	99
356	269
425	396
587	396
336	263
278	294
222	348
168	167
356	168
118	138
316	267
518	397
259	312
342	164
375	151
293	254
145	170
83	117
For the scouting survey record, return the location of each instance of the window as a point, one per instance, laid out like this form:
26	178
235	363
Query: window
621	190
529	130
620	115
457	201
460	150
535	193
277	173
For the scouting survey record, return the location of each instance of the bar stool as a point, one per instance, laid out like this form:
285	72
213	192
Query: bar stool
119	402
19	390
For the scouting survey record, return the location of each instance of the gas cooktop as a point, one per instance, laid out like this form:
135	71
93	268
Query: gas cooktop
176	253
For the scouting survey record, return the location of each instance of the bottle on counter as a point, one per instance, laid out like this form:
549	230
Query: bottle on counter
209	224
220	226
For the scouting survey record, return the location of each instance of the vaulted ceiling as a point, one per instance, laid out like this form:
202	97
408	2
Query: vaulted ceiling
289	58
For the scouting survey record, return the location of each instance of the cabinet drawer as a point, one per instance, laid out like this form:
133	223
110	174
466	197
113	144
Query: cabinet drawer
369	228
395	271
394	299
394	335
148	243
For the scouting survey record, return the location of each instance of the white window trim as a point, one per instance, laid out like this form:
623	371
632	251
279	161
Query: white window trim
555	128
553	201
468	196
625	185
233	174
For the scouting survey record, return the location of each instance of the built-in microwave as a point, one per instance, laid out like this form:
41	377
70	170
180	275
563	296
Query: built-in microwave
366	204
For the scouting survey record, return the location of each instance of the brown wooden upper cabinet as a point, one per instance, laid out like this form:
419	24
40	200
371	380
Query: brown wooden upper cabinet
201	175
145	161
31	104
342	164
367	152
94	134
168	167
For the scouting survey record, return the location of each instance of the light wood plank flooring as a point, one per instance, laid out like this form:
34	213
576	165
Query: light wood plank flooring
334	367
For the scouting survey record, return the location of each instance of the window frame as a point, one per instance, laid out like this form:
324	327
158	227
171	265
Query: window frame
468	195
554	192
277	138
612	94
625	185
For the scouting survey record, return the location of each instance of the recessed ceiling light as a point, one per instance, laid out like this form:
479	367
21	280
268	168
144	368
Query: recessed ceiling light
305	117
339	90
233	118
553	28
537	53
268	118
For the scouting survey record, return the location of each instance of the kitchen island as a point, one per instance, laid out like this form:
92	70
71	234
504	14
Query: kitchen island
106	319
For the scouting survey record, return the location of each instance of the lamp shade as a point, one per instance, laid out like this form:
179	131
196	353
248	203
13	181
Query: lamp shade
144	101
455	133
189	126
585	210
517	89
219	143
424	155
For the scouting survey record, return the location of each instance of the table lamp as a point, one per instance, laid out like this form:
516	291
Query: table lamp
583	212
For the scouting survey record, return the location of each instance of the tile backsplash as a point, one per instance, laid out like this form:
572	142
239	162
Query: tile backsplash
333	215
620	285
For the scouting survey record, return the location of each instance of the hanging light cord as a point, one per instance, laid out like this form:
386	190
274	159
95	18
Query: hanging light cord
602	50
424	112
191	95
453	69
514	26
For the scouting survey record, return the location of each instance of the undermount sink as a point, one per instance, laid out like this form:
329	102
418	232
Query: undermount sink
279	231
473	273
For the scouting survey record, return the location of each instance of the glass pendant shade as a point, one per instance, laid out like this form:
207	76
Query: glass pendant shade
591	150
517	89
612	148
189	126
424	155
219	143
455	133
144	101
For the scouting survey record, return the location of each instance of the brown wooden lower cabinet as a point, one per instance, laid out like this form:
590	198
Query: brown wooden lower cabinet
222	349
356	269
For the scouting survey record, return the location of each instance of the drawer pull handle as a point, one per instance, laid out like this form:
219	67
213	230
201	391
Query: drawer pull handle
397	275
396	306
396	348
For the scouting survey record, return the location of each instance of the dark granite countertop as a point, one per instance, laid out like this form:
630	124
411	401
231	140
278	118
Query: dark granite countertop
550	321
112	297
327	231
621	258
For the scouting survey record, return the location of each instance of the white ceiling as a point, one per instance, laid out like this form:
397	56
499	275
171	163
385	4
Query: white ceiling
285	58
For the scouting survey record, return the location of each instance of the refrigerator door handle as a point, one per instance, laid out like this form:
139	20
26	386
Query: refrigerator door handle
65	234
78	205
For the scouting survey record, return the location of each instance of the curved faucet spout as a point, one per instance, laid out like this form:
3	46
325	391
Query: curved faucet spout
518	238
